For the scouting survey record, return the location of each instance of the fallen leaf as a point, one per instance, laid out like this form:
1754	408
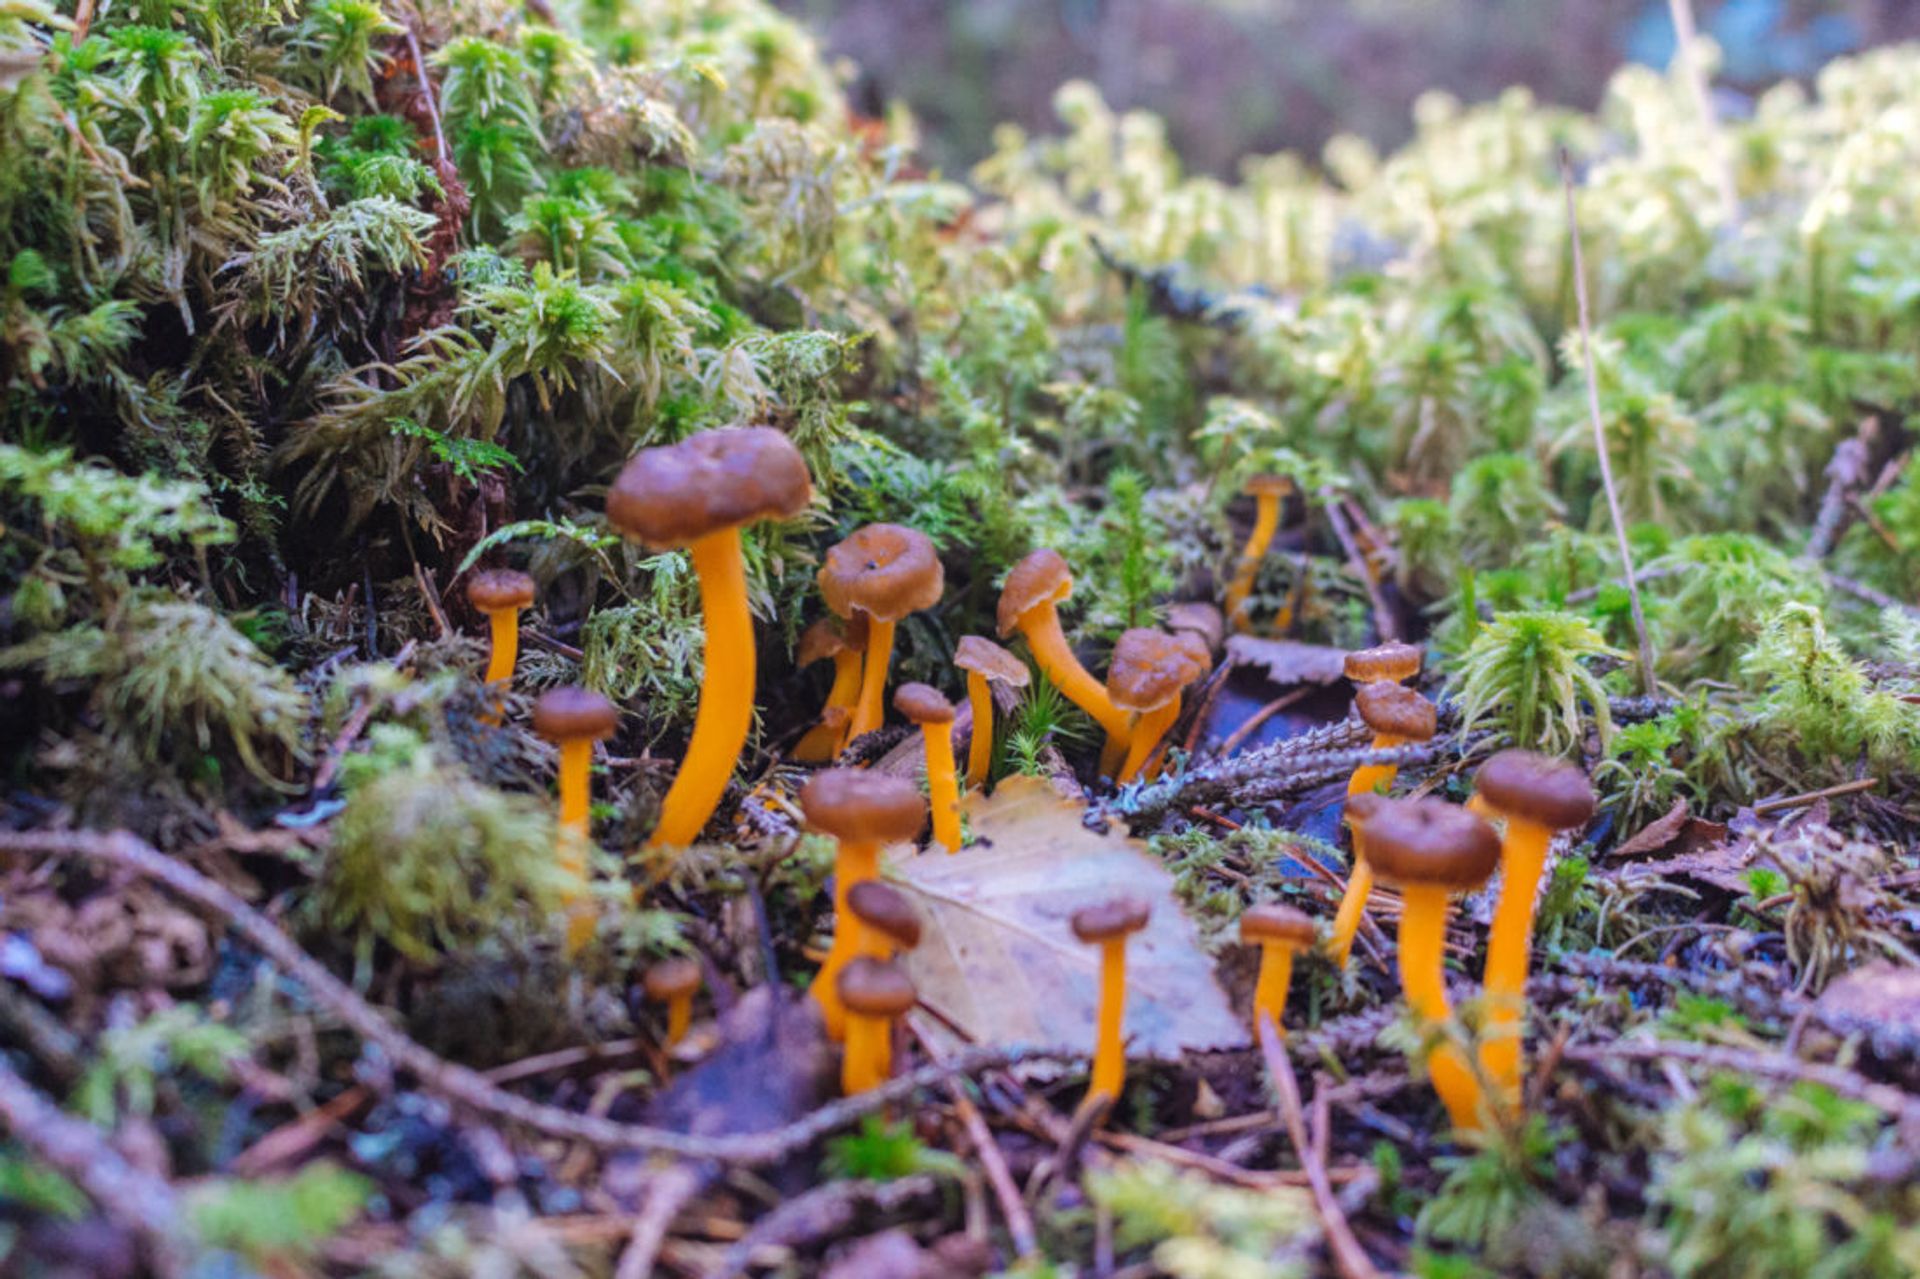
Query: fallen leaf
1724	865
1288	661
1656	834
998	957
1881	993
772	1065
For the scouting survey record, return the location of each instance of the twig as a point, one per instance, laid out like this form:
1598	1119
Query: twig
1349	1258
667	1194
427	95
987	1151
430	592
1383	618
1813	796
818	1213
1894	1101
1261	716
1845	471
468	1087
1687	37
1867	595
1648	681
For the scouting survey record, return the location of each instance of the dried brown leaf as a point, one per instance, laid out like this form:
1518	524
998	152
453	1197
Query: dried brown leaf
1288	661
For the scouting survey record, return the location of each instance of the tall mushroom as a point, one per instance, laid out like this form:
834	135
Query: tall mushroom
1201	619
884	571
1149	671
1108	925
672	982
928	708
863	811
1279	931
1267	492
500	593
1029	603
573	719
1397	715
1537	796
1431	849
698	494
844	642
888	921
986	664
1392	662
876	992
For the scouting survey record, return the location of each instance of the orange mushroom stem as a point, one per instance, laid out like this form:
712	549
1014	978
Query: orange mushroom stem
844	644
1279	931
673	982
573	719
1397	715
925	706
1108	925
1267	492
875	993
1029	604
500	593
986	664
881	572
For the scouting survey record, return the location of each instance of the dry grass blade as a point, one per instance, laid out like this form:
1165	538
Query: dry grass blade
1348	1256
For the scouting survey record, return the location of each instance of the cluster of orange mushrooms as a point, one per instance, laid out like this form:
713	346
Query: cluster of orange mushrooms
699	494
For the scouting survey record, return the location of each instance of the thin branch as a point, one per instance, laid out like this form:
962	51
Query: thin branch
1349	1258
1894	1101
1647	679
1845	471
1687	40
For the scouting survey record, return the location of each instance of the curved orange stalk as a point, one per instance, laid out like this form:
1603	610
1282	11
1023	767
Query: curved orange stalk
980	745
854	862
1109	1055
1270	992
1522	861
679	1017
576	784
1113	752
726	692
506	644
1423	928
1041	626
824	740
868	710
1148	729
868	1058
1353	903
943	790
1266	522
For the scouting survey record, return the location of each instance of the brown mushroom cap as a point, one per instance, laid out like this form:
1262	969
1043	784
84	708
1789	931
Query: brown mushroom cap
1390	661
1430	842
676	494
1394	710
985	658
570	712
1149	668
495	590
886	910
830	637
875	988
885	570
1269	485
1041	578
849	803
1201	618
1270	921
1362	807
1196	648
923	704
670	977
1535	788
1110	919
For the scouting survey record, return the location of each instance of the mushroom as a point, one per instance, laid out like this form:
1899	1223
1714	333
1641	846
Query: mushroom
986	664
1199	618
844	643
1397	715
1279	931
1537	796
1029	603
672	982
1431	849
863	810
1108	925
888	921
698	494
573	719
928	707
884	571
1392	662
1266	491
1150	670
501	593
875	992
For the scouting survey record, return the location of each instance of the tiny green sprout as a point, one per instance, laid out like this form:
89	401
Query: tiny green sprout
883	1151
1527	675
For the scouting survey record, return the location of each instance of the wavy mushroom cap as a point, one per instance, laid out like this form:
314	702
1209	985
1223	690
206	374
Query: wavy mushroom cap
923	704
1110	919
1200	618
676	494
569	712
1431	843
1041	578
494	590
875	988
1197	650
1538	789
886	910
1362	807
1150	668
1393	661
850	803
830	637
672	977
1394	710
1270	921
987	659
884	570
1268	486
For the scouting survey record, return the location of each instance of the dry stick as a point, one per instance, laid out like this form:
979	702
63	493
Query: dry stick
1383	619
1261	716
1814	796
987	1151
1687	38
469	1087
1647	680
1867	595
1894	1101
1845	471
1349	1258
667	1194
426	93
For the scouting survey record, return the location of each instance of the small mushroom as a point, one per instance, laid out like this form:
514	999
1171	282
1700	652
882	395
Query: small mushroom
1150	670
1199	618
1431	849
1393	662
876	993
1397	715
1267	492
573	719
863	810
1537	796
698	494
1279	931
1029	603
501	593
927	707
1108	925
884	571
986	664
888	921
844	642
673	982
